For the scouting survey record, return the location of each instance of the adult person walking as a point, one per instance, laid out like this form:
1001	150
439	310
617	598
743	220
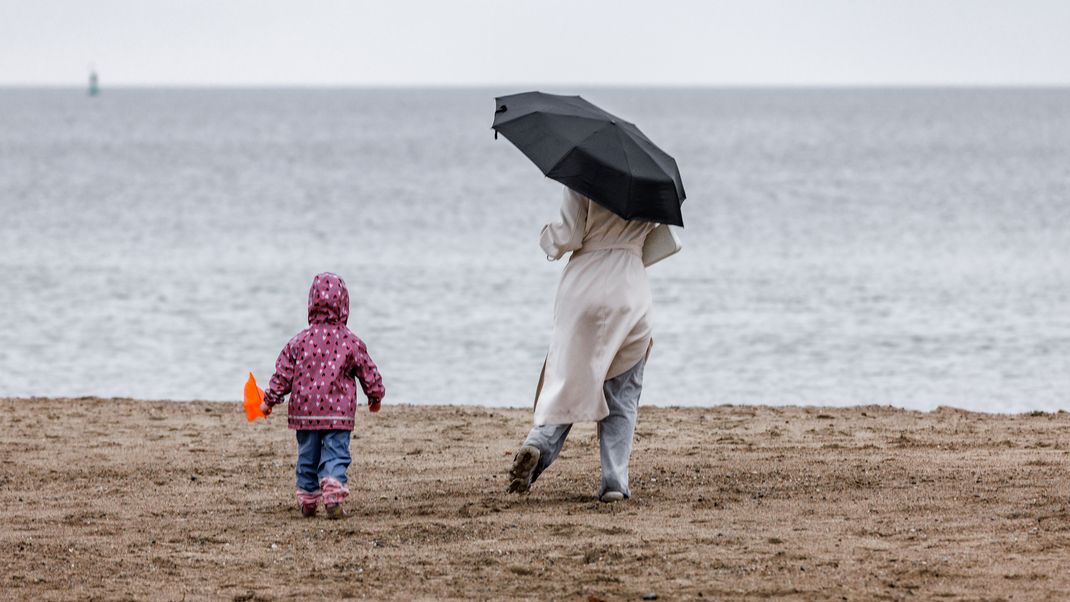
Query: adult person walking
618	187
602	333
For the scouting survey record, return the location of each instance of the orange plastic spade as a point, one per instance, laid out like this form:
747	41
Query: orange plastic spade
254	396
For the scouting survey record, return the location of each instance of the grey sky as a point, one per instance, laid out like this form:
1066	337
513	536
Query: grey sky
460	42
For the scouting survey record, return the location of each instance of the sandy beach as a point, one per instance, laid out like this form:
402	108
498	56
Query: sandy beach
122	499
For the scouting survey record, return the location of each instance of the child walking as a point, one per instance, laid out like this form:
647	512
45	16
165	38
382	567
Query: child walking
317	369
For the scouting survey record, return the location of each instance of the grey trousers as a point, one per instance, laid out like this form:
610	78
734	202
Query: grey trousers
614	432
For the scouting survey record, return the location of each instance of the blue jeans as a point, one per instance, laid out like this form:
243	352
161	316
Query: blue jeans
321	454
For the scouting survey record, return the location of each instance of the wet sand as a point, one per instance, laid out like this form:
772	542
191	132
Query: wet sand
120	499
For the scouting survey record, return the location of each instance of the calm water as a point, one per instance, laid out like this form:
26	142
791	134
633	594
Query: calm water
909	247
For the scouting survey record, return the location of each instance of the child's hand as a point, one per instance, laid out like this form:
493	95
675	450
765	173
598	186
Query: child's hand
374	405
265	408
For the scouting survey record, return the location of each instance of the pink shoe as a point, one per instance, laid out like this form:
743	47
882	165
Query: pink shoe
308	502
333	491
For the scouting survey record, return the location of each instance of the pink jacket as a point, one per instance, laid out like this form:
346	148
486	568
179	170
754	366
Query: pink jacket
317	367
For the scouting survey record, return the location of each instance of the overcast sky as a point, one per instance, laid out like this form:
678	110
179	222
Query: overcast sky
464	42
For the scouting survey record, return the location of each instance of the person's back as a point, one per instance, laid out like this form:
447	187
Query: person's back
605	227
601	325
318	366
587	226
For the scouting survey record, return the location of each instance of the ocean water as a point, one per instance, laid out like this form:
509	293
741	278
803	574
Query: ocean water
906	247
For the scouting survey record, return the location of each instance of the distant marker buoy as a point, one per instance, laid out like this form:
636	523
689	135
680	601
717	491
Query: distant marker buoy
94	84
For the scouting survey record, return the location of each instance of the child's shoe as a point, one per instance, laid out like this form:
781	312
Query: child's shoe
333	491
524	463
610	497
307	501
333	494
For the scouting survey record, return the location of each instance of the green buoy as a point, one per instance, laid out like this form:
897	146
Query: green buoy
94	84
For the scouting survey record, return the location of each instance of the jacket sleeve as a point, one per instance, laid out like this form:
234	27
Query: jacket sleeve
282	381
365	371
567	235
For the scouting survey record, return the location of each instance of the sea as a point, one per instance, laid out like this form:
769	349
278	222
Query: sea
841	246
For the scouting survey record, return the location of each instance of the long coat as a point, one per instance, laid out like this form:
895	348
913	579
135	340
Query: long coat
602	311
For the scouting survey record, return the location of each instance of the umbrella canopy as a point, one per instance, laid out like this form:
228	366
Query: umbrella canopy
595	153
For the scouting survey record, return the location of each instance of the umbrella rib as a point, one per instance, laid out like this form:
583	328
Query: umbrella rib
654	152
577	145
587	106
544	114
628	162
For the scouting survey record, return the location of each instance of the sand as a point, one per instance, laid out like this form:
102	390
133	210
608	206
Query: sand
121	499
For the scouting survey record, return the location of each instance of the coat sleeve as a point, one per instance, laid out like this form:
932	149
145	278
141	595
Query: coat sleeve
282	381
567	235
365	371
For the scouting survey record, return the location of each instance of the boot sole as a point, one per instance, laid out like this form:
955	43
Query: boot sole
527	458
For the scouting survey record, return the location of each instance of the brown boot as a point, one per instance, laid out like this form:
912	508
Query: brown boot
335	511
524	463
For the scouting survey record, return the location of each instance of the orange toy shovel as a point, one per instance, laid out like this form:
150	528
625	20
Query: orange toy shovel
254	396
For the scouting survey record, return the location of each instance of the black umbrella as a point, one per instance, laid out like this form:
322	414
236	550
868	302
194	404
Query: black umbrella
599	155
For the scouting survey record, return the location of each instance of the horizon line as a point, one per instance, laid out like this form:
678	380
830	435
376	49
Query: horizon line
533	86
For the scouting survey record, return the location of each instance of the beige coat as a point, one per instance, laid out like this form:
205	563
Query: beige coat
602	311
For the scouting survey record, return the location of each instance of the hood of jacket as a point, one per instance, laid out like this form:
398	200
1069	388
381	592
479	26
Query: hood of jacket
328	300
